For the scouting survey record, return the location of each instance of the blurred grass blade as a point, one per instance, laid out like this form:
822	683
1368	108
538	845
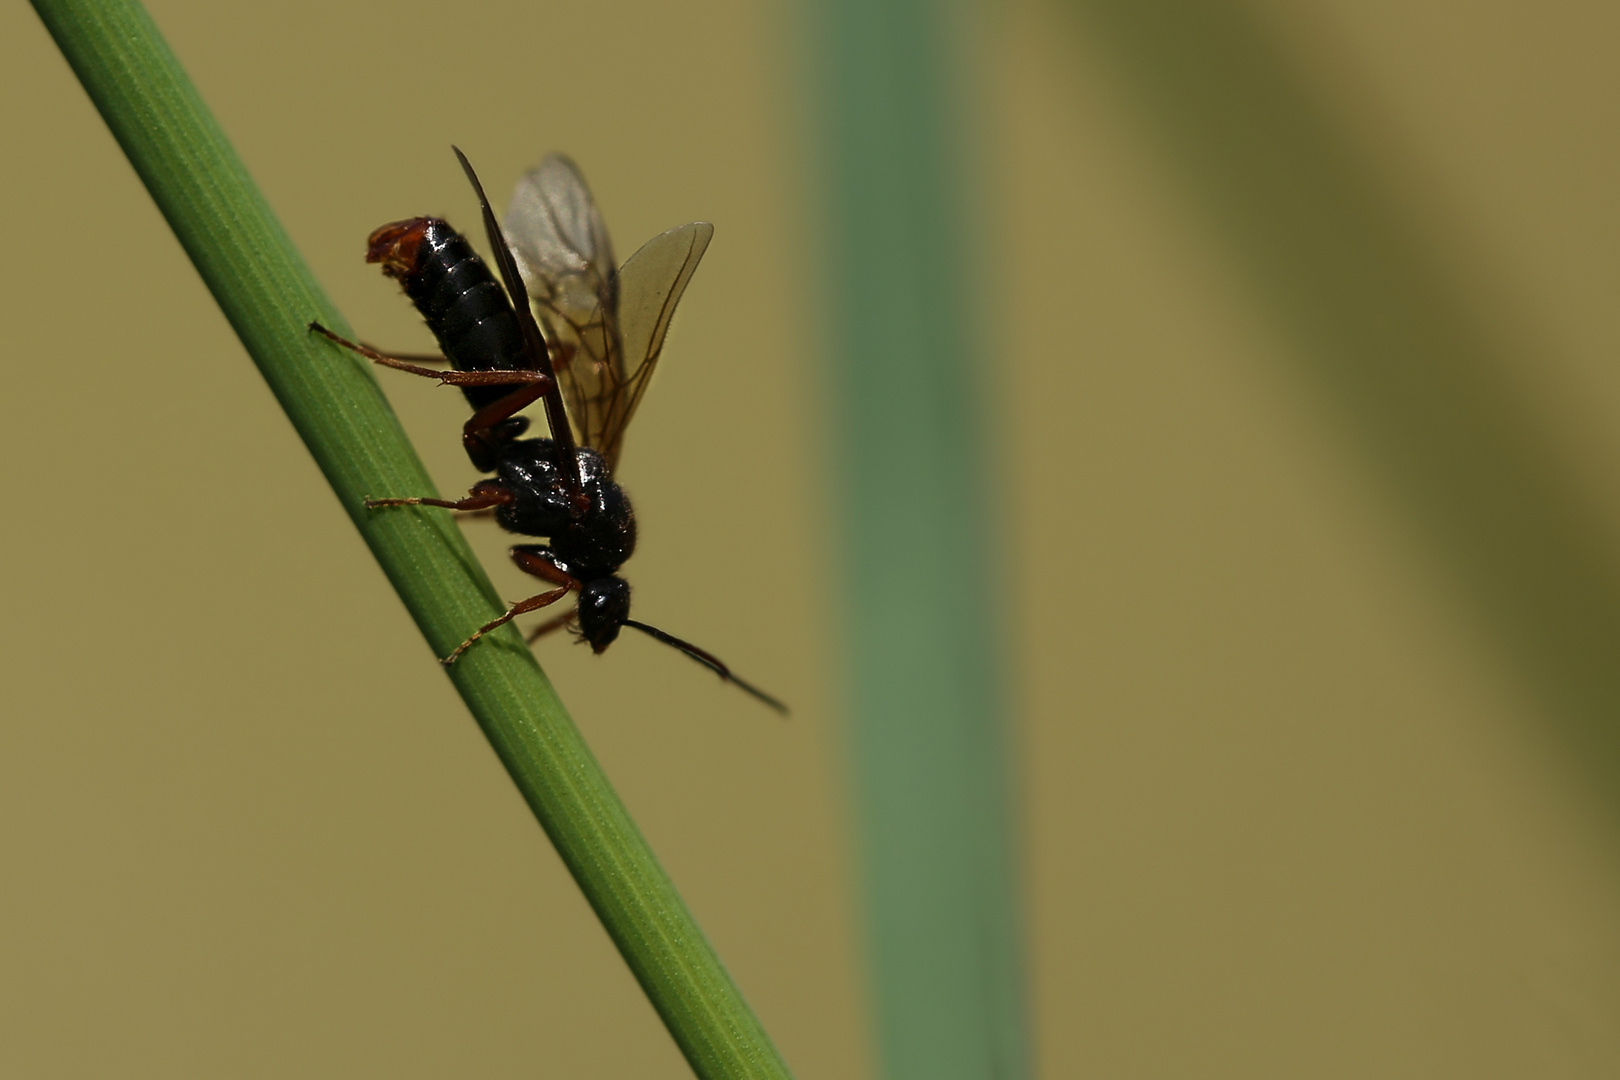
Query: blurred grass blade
269	296
1392	343
921	630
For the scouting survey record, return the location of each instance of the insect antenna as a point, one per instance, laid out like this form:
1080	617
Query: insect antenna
708	660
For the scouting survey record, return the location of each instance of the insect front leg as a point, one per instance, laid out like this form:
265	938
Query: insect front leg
538	560
551	625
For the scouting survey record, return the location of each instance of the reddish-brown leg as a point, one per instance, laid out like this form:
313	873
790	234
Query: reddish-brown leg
485	495
550	625
533	603
475	433
449	376
536	559
411	357
531	559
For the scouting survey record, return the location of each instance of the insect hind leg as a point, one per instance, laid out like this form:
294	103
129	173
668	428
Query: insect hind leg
448	376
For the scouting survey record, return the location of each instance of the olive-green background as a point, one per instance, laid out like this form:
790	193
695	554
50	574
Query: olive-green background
1287	811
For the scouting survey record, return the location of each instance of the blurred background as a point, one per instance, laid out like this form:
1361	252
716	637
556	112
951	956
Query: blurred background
1299	377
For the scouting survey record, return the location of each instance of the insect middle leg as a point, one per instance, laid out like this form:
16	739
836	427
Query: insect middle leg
485	495
533	559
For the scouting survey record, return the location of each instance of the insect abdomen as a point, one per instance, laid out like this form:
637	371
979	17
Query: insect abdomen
462	303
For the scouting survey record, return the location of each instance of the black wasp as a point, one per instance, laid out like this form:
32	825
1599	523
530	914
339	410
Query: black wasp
597	321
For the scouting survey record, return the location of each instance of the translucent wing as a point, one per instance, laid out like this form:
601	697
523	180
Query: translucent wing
566	259
650	285
597	321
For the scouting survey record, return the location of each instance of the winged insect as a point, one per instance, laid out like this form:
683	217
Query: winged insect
562	325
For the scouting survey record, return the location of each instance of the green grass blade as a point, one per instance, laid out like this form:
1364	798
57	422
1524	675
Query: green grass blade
921	633
269	296
1393	343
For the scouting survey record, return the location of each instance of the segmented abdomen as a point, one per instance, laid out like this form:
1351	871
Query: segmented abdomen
462	303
